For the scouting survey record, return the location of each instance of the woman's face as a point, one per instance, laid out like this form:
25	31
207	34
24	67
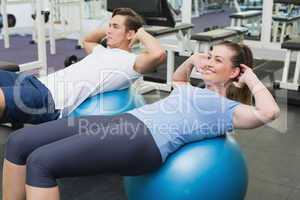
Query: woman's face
219	69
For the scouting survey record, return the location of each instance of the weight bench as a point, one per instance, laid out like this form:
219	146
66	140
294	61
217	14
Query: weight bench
182	32
9	66
157	31
291	46
251	7
241	19
205	40
284	20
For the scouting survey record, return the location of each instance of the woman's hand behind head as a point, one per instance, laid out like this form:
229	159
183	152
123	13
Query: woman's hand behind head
200	61
246	75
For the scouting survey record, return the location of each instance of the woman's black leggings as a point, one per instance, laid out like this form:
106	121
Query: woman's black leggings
84	146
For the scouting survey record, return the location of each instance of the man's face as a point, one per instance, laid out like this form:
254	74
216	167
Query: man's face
117	33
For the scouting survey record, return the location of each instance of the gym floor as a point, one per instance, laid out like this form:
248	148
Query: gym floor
272	151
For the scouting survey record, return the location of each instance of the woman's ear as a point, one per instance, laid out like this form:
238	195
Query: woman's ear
235	77
235	73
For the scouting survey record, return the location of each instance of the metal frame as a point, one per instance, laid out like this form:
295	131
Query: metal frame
284	83
54	6
41	63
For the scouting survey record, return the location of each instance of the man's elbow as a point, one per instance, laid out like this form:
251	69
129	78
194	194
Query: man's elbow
84	44
161	56
175	78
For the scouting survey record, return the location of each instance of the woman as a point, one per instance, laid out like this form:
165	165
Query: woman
139	141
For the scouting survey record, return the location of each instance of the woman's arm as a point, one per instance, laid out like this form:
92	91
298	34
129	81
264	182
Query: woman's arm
265	109
183	72
92	39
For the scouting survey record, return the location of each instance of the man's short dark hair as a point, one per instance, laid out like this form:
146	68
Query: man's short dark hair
133	20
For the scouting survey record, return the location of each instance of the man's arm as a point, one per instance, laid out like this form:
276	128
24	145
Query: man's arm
92	39
154	54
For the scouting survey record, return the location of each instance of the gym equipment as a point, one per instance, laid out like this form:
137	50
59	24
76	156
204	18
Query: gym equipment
95	9
242	5
11	19
70	60
290	89
109	103
250	19
61	21
283	20
155	12
211	169
9	66
41	63
210	6
46	15
208	38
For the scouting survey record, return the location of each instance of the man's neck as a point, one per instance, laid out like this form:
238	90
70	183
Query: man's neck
124	47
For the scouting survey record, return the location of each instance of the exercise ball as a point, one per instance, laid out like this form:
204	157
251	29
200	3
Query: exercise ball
109	103
211	169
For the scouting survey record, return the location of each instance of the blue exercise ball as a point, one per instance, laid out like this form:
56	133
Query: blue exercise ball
109	103
211	169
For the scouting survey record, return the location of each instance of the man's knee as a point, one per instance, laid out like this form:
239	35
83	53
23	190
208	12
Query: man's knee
2	103
38	172
16	150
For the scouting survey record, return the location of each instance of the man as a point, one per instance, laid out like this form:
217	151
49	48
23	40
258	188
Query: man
27	99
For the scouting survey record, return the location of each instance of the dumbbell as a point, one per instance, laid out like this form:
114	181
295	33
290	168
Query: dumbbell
11	20
210	28
46	19
70	60
45	13
74	59
103	42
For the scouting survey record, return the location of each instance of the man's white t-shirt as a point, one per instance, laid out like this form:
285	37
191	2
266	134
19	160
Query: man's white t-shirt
103	70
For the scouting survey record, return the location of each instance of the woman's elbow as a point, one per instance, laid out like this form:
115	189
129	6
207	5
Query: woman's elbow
272	114
276	112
